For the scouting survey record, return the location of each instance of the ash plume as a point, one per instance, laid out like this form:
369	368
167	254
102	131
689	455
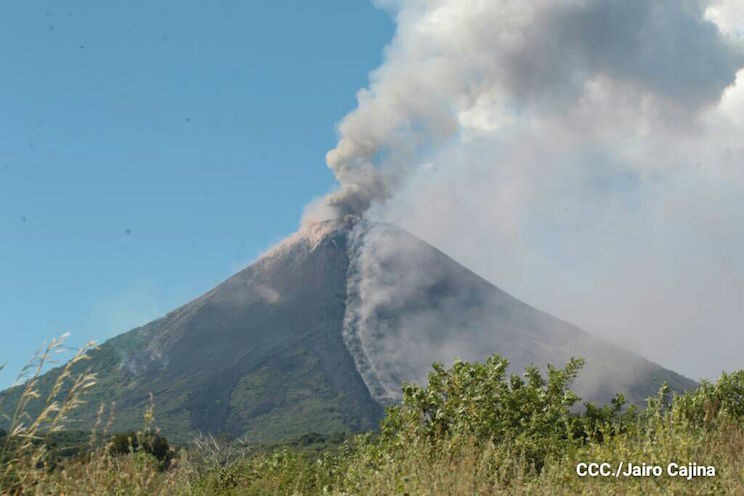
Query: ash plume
585	155
451	58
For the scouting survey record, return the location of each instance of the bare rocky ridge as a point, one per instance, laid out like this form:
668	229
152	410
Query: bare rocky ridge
320	332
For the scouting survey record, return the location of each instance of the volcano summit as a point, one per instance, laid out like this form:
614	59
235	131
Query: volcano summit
319	333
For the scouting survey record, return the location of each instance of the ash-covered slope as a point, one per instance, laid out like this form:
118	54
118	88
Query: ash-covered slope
321	331
410	305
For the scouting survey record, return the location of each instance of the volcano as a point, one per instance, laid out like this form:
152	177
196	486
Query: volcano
319	334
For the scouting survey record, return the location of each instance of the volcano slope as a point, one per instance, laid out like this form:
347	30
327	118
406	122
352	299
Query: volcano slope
318	335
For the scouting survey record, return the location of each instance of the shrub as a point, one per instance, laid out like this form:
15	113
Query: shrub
531	416
148	442
472	429
712	403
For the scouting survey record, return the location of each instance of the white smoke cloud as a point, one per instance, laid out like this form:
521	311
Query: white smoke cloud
586	156
409	305
728	15
452	57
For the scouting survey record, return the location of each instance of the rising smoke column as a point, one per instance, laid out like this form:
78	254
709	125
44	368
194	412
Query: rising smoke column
460	63
584	155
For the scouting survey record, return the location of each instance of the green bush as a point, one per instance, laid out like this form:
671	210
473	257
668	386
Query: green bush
146	442
472	429
710	403
531	416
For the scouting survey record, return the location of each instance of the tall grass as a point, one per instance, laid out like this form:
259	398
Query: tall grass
24	449
472	429
26	466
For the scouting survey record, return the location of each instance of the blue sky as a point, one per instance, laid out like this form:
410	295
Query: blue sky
148	150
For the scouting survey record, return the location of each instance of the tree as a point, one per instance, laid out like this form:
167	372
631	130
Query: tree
148	442
529	415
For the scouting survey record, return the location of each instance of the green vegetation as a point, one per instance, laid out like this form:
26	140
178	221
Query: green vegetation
473	429
289	394
148	442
